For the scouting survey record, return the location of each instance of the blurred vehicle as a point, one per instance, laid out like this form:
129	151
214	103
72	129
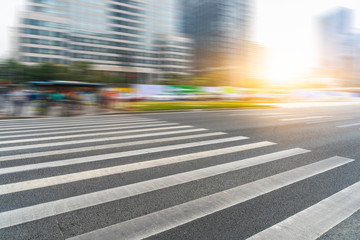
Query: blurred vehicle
206	96
230	96
161	97
183	96
130	97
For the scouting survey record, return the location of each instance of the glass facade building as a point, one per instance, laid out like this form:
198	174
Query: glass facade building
220	29
133	36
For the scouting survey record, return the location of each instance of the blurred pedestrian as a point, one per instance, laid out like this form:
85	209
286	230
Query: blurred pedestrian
3	98
44	102
33	102
89	101
57	101
18	98
103	100
70	104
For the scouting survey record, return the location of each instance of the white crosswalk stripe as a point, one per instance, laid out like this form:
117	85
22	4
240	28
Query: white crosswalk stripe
297	118
89	134
66	124
127	126
66	120
52	208
110	147
281	116
303	118
24	133
328	120
92	140
109	156
349	125
258	114
306	225
106	146
166	219
85	118
5	189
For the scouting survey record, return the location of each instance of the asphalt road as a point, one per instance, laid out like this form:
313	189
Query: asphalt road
282	173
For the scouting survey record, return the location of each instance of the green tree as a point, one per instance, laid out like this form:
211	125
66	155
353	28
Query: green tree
198	81
81	70
13	71
45	72
174	79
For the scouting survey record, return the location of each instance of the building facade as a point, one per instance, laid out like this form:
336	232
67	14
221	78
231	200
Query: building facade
221	31
339	46
140	37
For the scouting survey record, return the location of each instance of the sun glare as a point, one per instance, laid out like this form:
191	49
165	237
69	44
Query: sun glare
285	70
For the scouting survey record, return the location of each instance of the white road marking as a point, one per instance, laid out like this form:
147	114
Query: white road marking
210	171
328	120
36	212
259	114
304	118
349	125
312	104
274	113
65	124
202	111
75	127
316	220
69	121
105	146
92	140
92	129
157	222
285	115
150	128
83	117
109	156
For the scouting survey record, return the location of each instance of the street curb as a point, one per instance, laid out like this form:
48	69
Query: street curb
184	110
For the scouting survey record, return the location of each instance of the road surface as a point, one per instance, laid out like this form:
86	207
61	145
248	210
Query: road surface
282	173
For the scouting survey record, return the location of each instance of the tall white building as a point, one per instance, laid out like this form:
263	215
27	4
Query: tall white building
140	37
340	46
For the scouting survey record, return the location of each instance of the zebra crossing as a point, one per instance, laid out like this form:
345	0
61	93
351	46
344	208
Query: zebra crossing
51	160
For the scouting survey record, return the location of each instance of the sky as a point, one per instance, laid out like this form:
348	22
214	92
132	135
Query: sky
8	10
285	27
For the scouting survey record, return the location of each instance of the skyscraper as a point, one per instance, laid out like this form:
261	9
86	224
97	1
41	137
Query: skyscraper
221	31
339	46
141	37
